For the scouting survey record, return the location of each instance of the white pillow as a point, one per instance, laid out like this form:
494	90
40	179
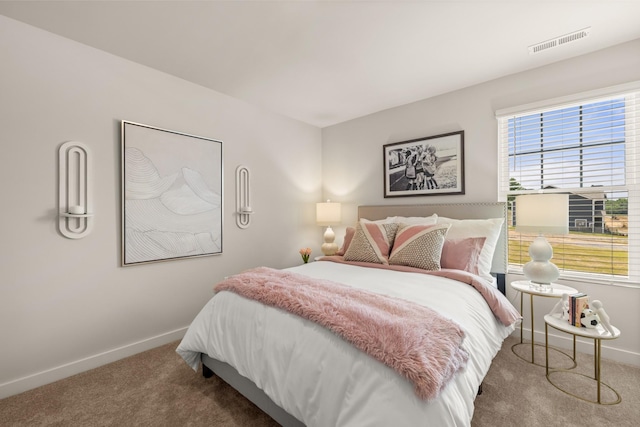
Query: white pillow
487	228
378	221
414	220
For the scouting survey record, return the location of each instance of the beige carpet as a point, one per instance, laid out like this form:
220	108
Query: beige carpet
157	388
516	393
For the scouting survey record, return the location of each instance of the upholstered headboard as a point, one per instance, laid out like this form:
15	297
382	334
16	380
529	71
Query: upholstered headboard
455	211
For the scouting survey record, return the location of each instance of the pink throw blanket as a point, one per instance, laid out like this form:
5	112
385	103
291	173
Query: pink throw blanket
416	341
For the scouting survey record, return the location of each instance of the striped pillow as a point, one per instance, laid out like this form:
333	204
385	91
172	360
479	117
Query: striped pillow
371	242
419	246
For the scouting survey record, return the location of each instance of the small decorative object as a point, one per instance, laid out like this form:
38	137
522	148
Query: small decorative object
589	318
430	166
562	307
76	210
243	199
75	195
603	316
305	252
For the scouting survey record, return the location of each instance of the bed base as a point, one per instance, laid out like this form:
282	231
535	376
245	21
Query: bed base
501	280
248	389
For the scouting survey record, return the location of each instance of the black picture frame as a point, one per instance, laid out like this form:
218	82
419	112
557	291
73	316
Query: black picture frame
429	166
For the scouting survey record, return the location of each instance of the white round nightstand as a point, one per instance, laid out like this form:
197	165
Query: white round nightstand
525	287
597	334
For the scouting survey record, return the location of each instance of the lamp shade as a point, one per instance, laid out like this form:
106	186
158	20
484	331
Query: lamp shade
328	213
542	213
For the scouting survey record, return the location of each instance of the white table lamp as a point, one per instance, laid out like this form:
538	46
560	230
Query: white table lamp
542	214
328	214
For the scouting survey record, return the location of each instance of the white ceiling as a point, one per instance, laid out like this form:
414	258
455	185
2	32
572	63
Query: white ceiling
325	62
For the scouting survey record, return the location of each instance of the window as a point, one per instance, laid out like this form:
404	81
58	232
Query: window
586	147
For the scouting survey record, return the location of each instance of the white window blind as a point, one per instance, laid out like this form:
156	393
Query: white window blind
589	149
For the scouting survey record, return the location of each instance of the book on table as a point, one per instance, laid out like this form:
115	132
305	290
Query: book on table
582	303
578	302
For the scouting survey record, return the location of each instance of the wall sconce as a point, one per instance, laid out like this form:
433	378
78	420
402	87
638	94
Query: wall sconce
75	199
328	214
542	214
243	199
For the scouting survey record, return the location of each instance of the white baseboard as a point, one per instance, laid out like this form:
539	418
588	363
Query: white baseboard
583	345
54	374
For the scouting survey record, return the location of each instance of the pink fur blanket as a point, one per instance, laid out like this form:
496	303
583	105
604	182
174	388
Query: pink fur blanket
416	341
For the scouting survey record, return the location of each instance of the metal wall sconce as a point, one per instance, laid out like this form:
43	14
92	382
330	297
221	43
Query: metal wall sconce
75	201
243	200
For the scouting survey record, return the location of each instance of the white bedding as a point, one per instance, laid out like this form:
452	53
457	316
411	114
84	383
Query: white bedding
324	381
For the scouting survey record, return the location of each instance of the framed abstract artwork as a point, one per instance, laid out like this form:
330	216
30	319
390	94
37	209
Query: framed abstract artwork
171	195
430	166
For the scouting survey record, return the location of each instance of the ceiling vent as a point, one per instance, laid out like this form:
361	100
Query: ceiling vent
559	41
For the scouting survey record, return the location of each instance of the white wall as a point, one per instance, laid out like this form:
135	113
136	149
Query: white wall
352	157
67	305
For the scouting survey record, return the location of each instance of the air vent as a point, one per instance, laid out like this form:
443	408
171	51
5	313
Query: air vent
559	41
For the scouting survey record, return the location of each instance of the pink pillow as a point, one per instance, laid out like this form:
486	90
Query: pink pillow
462	254
348	236
466	228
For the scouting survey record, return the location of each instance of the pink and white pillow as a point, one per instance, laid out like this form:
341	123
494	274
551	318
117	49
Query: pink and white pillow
372	242
462	254
419	246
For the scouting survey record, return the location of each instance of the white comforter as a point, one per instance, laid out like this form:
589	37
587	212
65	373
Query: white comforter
324	381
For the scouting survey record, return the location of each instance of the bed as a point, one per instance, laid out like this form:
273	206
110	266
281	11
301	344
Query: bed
302	373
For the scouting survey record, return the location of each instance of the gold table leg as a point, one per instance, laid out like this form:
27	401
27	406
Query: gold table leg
521	304
597	367
596	359
546	348
532	342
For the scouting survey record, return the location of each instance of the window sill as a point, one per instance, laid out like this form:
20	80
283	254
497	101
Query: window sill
587	278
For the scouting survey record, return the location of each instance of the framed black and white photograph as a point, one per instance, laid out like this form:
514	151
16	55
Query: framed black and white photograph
430	166
171	195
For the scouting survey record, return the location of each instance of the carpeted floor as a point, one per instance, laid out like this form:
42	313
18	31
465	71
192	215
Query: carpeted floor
516	393
157	388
